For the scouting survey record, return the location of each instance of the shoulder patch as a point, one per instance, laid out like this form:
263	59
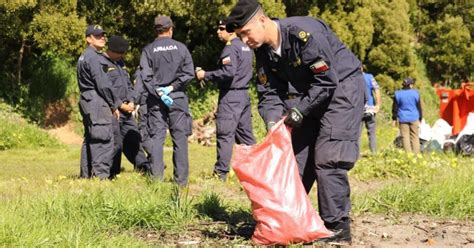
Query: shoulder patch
319	67
226	61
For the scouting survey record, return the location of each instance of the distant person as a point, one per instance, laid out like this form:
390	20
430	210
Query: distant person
98	105
234	115
407	111
126	135
372	107
166	70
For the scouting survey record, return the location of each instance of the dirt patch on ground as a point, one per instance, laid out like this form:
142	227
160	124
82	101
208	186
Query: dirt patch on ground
411	231
66	134
369	230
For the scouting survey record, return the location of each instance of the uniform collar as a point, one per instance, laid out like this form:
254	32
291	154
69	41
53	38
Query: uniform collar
285	44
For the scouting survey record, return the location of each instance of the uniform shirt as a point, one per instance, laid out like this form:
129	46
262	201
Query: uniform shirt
91	76
117	72
312	62
235	66
371	85
166	62
406	106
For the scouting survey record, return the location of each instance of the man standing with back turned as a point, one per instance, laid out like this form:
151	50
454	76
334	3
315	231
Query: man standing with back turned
304	55
234	116
166	69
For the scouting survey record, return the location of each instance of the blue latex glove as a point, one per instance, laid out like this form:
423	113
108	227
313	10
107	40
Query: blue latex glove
164	90
168	101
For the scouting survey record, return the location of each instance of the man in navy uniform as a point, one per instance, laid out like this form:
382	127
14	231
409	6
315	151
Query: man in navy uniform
126	135
234	117
302	54
166	69
99	105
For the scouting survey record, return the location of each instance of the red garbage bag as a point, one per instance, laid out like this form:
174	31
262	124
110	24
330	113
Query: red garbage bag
269	175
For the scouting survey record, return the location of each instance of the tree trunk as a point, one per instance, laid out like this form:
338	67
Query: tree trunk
20	61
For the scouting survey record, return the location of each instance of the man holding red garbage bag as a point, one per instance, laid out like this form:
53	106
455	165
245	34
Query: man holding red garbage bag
300	57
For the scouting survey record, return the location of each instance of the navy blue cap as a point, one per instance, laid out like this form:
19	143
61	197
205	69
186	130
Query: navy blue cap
117	44
241	14
222	21
94	30
408	81
163	22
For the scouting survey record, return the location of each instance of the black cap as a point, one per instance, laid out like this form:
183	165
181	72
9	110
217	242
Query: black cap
163	22
242	12
94	30
222	21
117	44
408	81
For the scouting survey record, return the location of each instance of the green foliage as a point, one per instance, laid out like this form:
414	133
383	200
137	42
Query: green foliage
392	53
352	23
52	38
52	79
383	34
448	50
16	133
450	195
396	163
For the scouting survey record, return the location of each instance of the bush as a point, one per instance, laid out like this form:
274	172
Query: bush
17	133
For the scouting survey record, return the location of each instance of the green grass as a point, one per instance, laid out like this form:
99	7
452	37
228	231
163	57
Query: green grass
448	194
45	204
15	132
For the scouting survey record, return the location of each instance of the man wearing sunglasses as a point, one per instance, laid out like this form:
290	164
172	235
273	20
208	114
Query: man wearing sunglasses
234	117
98	105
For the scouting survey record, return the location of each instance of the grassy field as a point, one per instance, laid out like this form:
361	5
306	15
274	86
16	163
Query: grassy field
45	204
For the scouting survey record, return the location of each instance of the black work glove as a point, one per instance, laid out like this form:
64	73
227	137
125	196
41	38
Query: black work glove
294	118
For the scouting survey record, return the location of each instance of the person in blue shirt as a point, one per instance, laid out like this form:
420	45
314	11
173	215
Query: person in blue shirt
372	107
407	112
234	115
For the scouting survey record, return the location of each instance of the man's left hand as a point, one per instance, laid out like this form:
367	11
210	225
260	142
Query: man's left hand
294	118
200	74
164	90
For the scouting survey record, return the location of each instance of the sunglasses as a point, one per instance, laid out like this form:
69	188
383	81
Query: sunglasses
221	28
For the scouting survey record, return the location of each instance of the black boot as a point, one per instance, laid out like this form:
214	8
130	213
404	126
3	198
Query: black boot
342	233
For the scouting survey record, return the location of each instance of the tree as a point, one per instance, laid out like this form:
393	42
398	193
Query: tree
448	50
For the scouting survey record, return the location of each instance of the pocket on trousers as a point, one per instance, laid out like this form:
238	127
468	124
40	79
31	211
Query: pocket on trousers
189	121
225	122
101	132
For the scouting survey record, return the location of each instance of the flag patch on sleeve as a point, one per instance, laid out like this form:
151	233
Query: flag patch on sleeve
226	61
319	66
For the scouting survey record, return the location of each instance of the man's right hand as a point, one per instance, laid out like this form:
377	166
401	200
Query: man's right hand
126	108
168	101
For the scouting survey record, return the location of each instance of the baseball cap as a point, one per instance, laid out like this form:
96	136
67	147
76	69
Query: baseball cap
94	30
163	22
408	81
